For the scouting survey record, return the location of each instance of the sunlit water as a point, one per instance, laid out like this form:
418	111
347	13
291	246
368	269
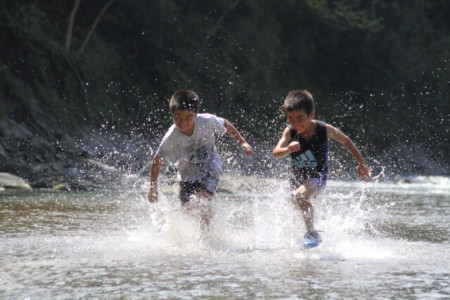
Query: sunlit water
385	240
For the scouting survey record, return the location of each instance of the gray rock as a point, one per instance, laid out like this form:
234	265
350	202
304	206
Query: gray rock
14	182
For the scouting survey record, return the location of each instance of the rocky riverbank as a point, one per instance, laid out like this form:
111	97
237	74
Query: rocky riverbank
88	159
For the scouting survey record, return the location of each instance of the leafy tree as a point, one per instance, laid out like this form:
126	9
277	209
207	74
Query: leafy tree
117	62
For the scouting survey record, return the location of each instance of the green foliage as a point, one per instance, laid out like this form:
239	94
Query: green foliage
365	61
350	14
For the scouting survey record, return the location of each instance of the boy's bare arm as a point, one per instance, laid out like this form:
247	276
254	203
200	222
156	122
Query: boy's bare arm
285	146
154	173
233	132
334	133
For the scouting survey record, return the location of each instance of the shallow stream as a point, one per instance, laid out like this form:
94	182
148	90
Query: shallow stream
382	240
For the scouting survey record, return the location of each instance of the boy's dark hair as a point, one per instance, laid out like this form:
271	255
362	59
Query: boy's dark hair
184	99
298	100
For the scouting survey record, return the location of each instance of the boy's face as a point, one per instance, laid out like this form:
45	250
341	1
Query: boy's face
300	120
184	119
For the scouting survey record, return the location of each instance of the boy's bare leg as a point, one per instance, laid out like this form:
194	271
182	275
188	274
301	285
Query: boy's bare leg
203	206
302	198
205	209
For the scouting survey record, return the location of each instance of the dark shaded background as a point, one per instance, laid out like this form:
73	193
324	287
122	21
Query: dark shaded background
377	68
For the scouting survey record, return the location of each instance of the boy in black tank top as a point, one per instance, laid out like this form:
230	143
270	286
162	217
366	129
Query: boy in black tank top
306	140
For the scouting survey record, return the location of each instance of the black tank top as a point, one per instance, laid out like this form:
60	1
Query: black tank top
312	159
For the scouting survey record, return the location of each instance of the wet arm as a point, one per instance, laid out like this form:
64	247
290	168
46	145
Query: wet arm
284	145
154	174
337	135
234	133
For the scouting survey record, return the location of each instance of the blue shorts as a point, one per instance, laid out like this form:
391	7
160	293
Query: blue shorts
189	188
320	182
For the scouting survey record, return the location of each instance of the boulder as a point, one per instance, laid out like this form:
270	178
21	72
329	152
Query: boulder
13	182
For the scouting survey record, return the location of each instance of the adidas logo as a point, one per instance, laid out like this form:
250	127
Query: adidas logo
306	159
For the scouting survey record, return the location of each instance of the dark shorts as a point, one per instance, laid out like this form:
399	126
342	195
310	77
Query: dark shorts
189	188
320	182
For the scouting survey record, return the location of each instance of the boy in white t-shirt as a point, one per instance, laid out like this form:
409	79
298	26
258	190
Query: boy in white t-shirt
189	144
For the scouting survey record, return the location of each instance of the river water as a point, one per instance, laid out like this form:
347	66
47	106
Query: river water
382	240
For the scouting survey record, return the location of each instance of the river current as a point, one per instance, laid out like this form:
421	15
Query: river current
381	240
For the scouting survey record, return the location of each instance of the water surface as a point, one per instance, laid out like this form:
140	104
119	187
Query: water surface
381	240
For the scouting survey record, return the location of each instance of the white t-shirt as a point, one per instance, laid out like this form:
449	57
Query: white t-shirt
194	156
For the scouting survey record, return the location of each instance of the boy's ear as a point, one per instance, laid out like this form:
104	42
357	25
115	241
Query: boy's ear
312	114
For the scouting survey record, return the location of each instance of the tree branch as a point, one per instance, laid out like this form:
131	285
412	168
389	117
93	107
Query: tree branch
222	17
97	20
70	27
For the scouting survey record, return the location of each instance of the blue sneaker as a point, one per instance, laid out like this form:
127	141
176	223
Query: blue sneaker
311	239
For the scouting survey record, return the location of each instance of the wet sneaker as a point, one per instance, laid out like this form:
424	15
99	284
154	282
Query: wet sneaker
311	239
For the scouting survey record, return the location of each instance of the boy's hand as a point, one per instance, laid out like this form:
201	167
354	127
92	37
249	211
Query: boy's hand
248	149
294	147
152	193
363	172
